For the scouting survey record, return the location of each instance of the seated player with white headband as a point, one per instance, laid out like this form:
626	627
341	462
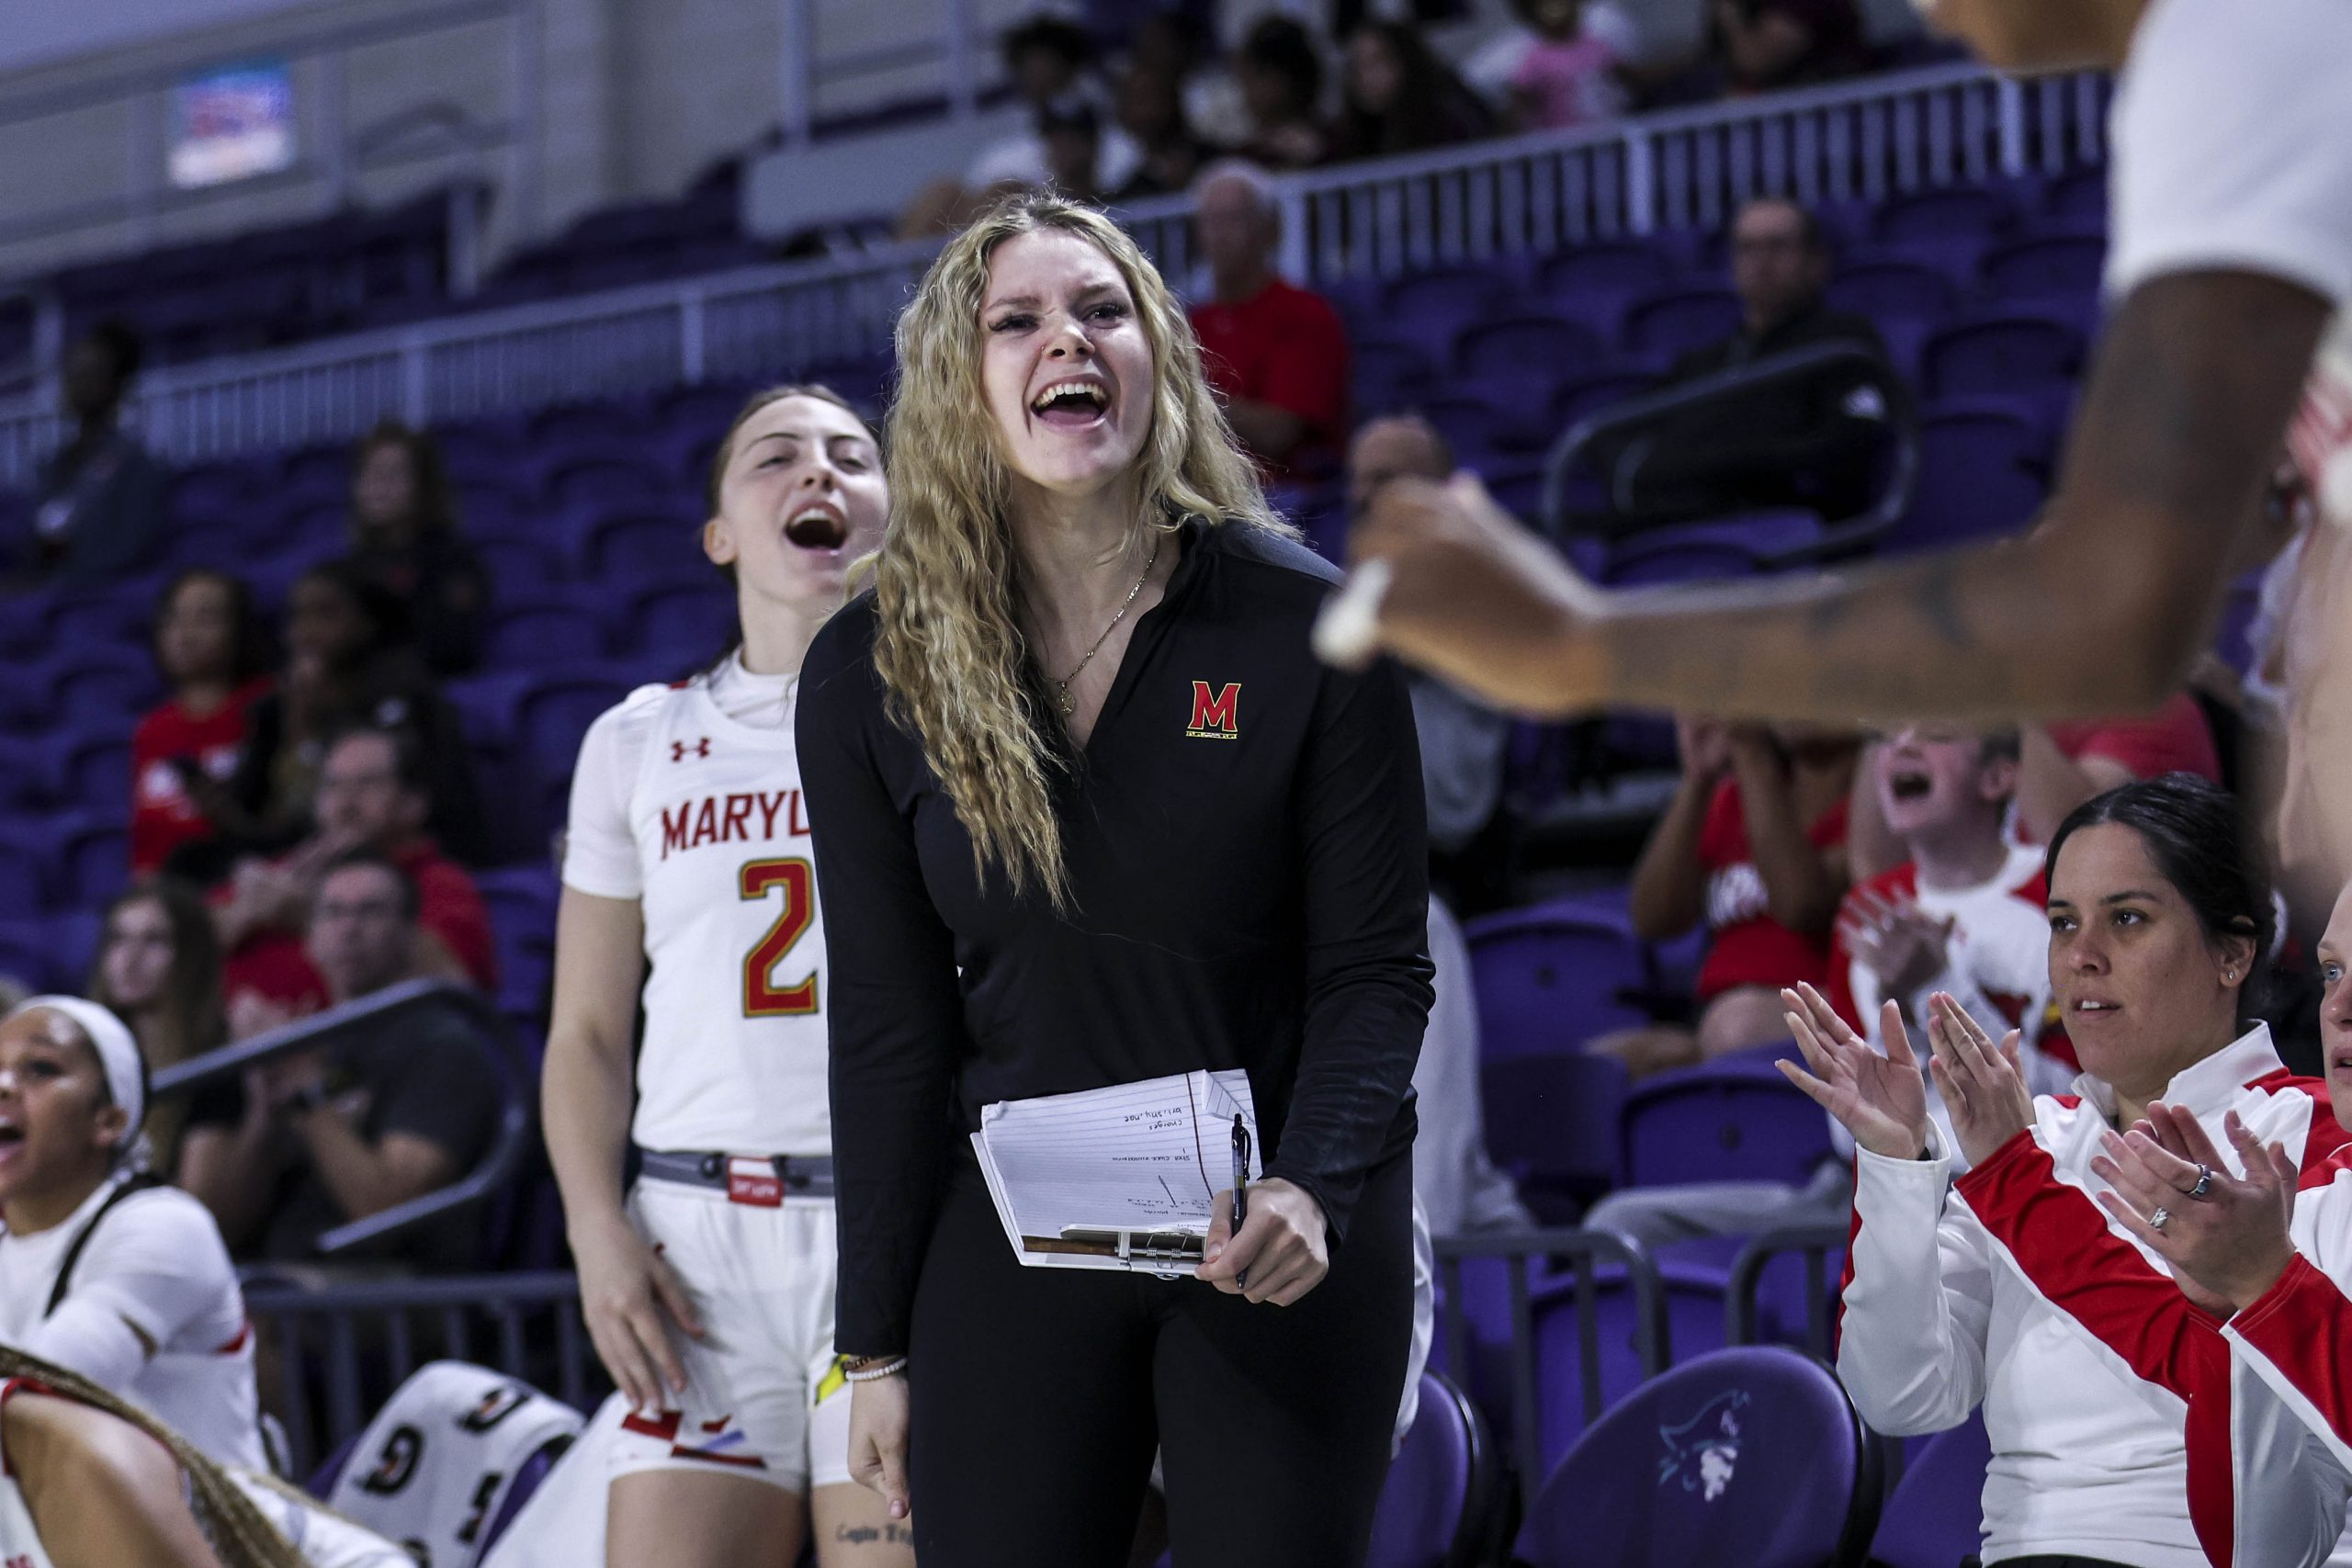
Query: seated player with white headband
104	1271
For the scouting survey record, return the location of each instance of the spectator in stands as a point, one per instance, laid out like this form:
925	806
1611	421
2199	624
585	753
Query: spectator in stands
1170	152
98	505
1276	354
158	970
346	665
1759	46
1073	134
2159	921
1281	72
1753	842
404	536
1812	441
2063	763
371	795
104	1270
383	1113
208	649
1175	43
1461	739
1397	96
1051	63
1962	914
1568	75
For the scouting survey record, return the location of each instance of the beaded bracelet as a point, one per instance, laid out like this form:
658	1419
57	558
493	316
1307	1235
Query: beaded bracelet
891	1367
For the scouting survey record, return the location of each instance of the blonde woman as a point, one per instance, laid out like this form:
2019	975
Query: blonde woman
1089	812
708	1286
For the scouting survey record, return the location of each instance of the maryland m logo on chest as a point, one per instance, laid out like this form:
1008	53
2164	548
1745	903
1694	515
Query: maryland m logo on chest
1216	716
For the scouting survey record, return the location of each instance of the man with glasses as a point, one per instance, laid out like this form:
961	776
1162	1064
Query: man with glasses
1812	442
380	1115
371	795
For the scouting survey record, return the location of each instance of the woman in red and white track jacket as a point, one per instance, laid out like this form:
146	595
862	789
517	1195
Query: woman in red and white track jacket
2156	927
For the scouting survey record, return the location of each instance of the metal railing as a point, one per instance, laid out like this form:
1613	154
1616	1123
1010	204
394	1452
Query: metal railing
1814	1244
1876	137
335	1353
499	1162
1583	1251
1902	422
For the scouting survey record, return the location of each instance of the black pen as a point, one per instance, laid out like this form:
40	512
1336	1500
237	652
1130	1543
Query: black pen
1240	1182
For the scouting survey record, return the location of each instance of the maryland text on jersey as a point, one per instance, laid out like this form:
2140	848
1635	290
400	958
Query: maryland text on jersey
740	819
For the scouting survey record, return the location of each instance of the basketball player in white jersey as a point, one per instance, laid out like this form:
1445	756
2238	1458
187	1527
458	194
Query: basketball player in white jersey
2231	187
104	1271
708	1288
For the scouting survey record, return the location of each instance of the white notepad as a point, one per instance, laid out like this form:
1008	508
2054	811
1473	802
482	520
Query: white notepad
1118	1178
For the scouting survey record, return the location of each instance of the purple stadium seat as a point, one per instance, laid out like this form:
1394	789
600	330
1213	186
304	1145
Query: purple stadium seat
1551	977
1751	1456
1508	345
1935	1516
554	711
24	892
2000	353
2078	198
1604	274
98	774
1893	288
1980	474
1432	307
580	483
1552	1126
1442	1485
1933	214
1735	1119
540	635
88	681
695	620
1385	363
1677	322
97	861
1761	534
629	545
1584	396
1639	561
2059	266
1694	1326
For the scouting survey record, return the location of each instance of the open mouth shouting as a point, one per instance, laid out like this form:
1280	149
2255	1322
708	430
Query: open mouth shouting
1909	784
1073	402
817	524
12	1136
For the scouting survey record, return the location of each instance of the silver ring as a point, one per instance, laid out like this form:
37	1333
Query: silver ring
2204	1182
2156	1221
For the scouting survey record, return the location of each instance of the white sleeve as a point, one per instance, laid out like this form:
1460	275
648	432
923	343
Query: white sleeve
1917	1307
155	1274
2228	147
599	844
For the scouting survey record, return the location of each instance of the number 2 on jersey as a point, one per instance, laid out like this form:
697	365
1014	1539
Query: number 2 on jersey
763	997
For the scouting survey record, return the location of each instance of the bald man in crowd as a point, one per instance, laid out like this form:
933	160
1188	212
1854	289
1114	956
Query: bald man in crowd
1277	354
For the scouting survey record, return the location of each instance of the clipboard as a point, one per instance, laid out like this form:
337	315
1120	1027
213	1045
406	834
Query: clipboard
1154	1152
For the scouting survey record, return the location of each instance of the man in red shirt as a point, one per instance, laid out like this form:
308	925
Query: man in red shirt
371	795
1276	354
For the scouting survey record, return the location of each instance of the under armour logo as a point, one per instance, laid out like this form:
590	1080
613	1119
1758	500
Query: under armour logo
679	749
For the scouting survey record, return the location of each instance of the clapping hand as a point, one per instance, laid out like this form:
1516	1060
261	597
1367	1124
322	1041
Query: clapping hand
1983	1087
1898	942
2222	1235
1883	1100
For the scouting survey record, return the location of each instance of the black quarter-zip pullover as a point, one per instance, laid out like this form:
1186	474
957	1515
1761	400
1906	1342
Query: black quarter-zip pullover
1245	853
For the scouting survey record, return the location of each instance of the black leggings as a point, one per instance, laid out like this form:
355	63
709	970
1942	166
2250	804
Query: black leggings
1040	1394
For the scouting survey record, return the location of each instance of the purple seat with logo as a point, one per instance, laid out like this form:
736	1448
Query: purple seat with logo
1751	1456
1552	1126
1935	1516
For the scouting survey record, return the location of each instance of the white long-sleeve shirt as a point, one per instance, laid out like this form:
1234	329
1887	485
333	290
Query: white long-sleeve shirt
153	1313
1941	1314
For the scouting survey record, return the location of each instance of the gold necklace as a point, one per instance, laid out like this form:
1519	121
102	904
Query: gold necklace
1061	688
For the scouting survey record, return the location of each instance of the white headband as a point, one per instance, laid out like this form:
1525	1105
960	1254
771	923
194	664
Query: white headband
117	1051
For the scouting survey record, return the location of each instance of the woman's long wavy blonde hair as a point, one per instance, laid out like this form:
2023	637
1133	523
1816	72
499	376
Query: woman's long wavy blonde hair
950	648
